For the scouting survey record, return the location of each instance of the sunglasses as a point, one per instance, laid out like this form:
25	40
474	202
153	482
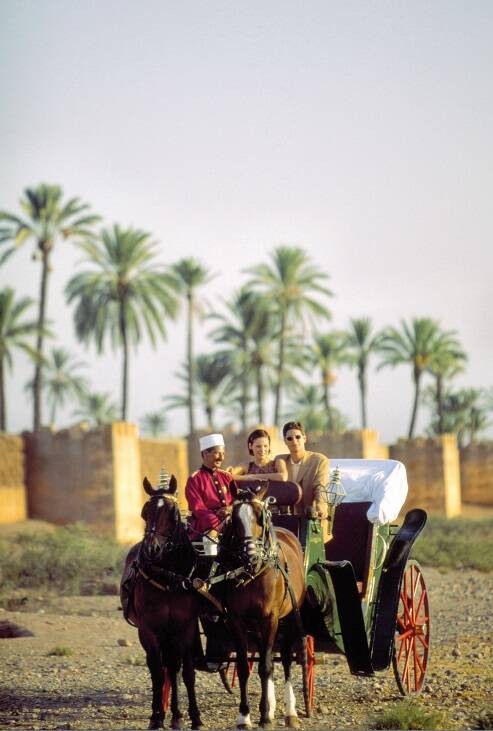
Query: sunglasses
296	436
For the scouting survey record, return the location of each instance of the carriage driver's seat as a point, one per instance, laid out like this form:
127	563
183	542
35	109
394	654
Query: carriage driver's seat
287	495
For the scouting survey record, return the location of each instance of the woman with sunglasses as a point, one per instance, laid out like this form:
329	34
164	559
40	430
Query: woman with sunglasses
262	465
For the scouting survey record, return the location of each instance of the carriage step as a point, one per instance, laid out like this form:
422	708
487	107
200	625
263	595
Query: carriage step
350	615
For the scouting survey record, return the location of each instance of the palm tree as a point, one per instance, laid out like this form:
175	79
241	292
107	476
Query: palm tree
290	282
235	330
328	353
126	292
97	409
306	406
464	413
213	373
15	332
61	380
190	275
361	343
417	344
46	218
447	362
154	423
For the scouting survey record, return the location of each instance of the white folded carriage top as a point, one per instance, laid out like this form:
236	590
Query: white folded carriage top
383	482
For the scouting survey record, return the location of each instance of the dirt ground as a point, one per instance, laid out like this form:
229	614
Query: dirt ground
102	683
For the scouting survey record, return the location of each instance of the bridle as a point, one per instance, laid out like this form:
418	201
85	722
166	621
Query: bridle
171	541
255	553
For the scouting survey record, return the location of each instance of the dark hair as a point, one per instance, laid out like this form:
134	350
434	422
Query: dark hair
292	425
256	434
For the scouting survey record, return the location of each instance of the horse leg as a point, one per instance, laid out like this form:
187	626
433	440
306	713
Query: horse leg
189	680
173	667
243	670
291	719
266	672
152	648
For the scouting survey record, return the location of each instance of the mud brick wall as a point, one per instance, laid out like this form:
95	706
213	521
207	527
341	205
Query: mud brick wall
433	473
13	504
353	444
476	473
172	454
91	476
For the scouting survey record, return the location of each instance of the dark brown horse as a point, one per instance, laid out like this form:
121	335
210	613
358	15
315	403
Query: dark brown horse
161	604
267	586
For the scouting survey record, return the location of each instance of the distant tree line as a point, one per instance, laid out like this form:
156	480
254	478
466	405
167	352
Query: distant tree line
271	339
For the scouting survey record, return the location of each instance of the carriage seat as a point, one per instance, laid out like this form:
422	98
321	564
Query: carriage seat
352	540
287	494
381	482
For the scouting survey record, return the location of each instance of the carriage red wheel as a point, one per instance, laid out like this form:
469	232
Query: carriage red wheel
412	634
310	669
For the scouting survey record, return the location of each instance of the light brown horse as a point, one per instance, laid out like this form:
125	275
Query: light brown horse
161	604
267	586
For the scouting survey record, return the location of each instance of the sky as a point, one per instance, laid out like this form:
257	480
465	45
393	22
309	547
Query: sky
359	131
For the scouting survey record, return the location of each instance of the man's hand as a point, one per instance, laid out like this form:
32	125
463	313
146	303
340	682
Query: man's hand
224	513
316	511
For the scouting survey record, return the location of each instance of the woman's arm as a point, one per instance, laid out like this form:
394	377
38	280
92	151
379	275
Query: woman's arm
238	470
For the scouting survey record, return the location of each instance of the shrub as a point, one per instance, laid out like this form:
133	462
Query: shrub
60	651
410	714
61	559
456	543
485	718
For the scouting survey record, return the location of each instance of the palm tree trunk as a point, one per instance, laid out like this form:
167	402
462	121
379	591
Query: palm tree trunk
439	398
326	392
362	391
209	410
3	410
38	370
191	364
417	379
53	413
123	332
260	395
280	365
244	396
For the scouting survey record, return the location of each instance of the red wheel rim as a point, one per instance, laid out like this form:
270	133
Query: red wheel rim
412	636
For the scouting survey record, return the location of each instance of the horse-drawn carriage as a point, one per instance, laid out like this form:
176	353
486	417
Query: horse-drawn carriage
363	597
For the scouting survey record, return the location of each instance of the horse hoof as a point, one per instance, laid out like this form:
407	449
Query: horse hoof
292	722
155	723
176	723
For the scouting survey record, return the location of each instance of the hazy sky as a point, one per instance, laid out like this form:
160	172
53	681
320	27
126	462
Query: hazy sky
360	131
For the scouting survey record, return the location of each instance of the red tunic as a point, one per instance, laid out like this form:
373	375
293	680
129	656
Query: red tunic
207	491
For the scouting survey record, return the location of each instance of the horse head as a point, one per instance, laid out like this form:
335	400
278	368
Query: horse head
162	517
250	523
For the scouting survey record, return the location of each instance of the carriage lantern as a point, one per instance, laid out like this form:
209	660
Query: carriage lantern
335	495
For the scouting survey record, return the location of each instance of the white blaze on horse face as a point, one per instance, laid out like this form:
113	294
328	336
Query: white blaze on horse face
245	517
243	721
289	700
271	699
160	502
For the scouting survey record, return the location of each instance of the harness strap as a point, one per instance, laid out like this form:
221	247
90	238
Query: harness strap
201	587
163	587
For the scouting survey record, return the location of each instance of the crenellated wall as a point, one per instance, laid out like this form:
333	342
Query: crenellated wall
86	475
353	444
96	475
476	470
433	473
13	504
172	454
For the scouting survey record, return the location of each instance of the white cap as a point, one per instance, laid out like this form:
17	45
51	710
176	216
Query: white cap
211	440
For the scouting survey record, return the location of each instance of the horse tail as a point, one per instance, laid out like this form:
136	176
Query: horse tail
223	674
